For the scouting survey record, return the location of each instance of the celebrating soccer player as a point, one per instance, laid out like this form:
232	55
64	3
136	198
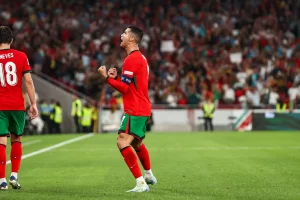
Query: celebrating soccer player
133	84
13	66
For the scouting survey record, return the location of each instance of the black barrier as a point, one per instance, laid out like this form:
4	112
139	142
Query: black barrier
276	121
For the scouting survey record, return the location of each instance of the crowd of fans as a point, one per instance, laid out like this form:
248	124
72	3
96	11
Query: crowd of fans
239	52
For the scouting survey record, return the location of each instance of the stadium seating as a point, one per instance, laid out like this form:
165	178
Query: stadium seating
235	51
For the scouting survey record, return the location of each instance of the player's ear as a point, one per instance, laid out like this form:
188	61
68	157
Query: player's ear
132	37
11	41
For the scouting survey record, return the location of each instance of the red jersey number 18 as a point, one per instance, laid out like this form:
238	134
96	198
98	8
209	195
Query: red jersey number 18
11	77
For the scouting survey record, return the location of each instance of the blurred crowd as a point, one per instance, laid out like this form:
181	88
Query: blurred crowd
49	119
238	52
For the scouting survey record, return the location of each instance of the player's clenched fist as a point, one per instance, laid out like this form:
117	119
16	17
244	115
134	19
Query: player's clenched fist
102	71
112	72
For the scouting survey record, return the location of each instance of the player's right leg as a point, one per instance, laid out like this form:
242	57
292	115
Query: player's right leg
3	142
4	122
124	140
139	130
16	128
144	157
124	144
15	157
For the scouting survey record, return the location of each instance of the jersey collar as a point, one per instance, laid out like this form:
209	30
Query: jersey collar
133	51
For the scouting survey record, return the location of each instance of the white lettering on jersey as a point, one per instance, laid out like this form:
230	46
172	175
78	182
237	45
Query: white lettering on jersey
128	72
8	55
11	77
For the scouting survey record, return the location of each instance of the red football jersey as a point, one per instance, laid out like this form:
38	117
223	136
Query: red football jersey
13	64
134	85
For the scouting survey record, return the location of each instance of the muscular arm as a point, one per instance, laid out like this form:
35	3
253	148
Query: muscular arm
30	88
118	85
128	71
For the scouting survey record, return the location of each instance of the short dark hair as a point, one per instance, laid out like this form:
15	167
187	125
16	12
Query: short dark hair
6	35
137	32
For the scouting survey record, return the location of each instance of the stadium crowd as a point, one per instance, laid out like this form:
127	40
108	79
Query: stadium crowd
241	53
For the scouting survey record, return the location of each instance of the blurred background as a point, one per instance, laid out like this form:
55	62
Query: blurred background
240	56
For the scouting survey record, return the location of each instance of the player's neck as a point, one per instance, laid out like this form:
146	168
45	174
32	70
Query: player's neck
131	48
4	46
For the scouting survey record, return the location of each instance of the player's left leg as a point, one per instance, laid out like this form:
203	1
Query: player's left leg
16	128
15	157
124	144
4	123
124	140
3	142
138	129
144	157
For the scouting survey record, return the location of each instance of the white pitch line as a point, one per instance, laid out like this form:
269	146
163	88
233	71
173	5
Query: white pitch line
31	142
54	146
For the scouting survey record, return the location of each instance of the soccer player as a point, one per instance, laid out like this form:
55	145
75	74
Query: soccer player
133	84
13	66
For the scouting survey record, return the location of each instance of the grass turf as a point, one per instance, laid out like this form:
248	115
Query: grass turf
206	166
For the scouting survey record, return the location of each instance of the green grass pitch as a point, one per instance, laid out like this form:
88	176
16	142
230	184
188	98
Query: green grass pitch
206	166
